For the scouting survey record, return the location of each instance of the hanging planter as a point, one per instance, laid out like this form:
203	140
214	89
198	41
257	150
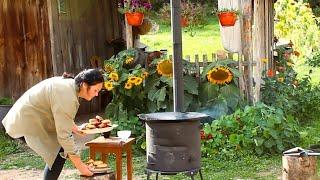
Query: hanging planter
227	17
134	18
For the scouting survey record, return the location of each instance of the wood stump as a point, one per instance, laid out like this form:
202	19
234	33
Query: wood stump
108	176
299	168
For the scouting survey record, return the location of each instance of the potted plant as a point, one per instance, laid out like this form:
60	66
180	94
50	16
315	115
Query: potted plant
228	17
134	10
5	105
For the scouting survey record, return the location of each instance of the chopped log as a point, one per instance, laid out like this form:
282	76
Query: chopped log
297	168
108	176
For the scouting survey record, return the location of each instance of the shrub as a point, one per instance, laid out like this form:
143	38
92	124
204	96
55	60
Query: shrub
194	13
295	21
314	59
259	129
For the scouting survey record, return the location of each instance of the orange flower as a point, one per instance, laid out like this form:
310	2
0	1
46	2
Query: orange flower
270	73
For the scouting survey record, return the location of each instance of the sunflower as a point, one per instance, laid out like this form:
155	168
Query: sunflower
132	79
138	81
128	85
129	60
145	74
108	85
108	68
220	75
264	60
164	67
114	76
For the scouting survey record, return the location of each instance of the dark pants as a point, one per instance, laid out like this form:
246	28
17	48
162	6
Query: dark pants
56	169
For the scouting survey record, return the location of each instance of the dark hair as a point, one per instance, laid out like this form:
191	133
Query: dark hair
66	75
89	76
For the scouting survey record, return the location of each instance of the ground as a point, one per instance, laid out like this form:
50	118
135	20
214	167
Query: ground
35	174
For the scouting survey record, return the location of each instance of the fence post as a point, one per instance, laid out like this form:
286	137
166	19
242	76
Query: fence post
188	59
214	57
197	67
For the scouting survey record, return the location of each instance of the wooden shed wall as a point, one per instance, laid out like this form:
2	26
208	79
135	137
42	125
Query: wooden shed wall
25	55
81	32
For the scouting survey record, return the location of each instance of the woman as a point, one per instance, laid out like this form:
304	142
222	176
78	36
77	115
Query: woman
44	116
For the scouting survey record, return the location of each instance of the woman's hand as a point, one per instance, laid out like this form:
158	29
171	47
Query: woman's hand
76	130
83	169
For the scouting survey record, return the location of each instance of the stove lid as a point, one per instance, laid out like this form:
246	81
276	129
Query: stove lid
173	116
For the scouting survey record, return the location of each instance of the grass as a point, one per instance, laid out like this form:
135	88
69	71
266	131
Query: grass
247	167
206	40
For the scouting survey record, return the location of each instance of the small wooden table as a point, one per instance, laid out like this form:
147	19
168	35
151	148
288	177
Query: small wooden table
113	145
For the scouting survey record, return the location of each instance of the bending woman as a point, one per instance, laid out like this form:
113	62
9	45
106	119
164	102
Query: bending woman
44	116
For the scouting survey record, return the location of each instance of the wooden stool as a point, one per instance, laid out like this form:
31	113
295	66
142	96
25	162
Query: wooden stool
113	145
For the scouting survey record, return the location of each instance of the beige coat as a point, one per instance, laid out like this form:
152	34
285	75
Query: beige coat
44	115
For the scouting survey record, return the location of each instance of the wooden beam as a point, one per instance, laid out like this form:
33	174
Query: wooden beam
246	47
259	44
129	36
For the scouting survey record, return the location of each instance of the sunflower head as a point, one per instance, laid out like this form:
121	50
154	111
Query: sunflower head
108	85
128	85
145	74
114	76
132	79
129	60
138	81
220	75
108	68
164	68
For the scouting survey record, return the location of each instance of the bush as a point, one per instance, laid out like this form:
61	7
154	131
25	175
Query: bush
194	14
259	129
314	59
295	21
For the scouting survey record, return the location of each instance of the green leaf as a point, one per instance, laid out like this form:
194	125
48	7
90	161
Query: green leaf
167	80
258	141
152	106
216	109
151	83
190	85
162	94
208	92
231	94
153	94
188	98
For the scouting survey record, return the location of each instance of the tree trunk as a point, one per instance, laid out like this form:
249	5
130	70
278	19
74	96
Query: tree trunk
298	168
108	176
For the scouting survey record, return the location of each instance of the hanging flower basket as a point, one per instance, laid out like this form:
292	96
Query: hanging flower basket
227	18
184	22
134	18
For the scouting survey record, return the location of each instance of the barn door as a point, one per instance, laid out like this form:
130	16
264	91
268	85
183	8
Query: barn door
24	45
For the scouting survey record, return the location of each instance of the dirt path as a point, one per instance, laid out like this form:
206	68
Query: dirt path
35	174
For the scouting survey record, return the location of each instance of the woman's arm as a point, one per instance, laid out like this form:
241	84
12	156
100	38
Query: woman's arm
76	161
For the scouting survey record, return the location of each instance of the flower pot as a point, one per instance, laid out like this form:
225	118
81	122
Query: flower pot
184	22
135	18
227	18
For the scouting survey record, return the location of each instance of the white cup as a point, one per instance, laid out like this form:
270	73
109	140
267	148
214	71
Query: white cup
124	135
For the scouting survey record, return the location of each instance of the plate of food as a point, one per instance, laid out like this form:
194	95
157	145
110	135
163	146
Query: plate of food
98	167
97	125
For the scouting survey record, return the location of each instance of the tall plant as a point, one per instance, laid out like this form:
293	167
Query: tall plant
295	21
218	92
